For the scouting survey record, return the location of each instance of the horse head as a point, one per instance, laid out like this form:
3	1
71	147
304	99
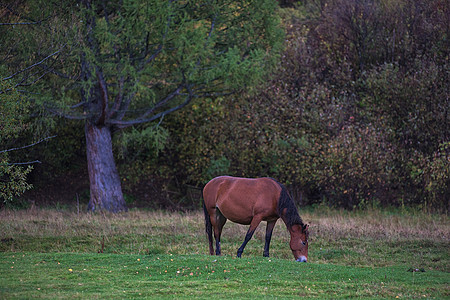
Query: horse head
299	241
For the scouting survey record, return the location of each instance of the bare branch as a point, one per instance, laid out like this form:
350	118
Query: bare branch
160	47
67	116
212	94
124	124
154	55
34	65
33	82
24	23
58	73
163	101
77	105
31	21
25	163
125	106
118	100
27	146
104	97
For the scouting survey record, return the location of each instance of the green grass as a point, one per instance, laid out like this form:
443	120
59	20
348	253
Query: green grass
83	275
54	254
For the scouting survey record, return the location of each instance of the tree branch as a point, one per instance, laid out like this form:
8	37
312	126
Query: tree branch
124	124
119	98
160	46
126	104
24	23
32	22
77	105
33	82
103	98
27	146
32	66
58	73
163	101
25	163
67	116
154	55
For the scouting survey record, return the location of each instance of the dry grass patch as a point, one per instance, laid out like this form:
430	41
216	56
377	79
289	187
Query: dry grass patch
364	238
377	224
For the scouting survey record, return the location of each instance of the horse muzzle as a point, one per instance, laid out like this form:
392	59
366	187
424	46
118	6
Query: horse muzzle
302	259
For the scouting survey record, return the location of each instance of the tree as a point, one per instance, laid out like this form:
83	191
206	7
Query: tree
119	64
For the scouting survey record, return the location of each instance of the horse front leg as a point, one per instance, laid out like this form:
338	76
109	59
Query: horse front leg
269	230
253	225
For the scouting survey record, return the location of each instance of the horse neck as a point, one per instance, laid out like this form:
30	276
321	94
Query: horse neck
291	218
287	210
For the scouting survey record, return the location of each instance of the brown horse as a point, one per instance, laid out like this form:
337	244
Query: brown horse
249	201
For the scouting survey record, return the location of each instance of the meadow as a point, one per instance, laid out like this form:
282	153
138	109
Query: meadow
63	253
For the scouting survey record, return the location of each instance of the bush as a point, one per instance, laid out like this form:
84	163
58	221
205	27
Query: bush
353	117
13	177
13	181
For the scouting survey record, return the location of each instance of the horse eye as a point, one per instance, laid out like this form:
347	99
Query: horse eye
304	243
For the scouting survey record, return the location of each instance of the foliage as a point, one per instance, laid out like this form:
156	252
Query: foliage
13	109
13	181
119	64
118	70
138	151
413	102
357	35
145	143
13	177
355	114
433	176
356	168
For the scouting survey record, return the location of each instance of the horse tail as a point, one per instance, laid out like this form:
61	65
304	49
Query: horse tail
208	227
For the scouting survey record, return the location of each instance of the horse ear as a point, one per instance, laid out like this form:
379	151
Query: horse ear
305	231
305	227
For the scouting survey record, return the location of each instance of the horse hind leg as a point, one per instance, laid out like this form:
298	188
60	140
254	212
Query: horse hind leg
208	229
219	222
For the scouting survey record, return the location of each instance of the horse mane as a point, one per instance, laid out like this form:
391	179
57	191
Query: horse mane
291	216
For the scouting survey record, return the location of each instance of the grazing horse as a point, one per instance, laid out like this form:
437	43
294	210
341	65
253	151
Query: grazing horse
249	201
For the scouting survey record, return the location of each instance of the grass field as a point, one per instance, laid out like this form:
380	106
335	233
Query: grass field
51	253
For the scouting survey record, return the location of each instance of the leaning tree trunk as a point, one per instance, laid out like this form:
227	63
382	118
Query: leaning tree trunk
105	187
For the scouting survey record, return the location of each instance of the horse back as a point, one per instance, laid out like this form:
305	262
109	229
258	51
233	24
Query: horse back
240	199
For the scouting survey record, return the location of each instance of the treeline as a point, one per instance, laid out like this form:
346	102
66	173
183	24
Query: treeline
356	115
